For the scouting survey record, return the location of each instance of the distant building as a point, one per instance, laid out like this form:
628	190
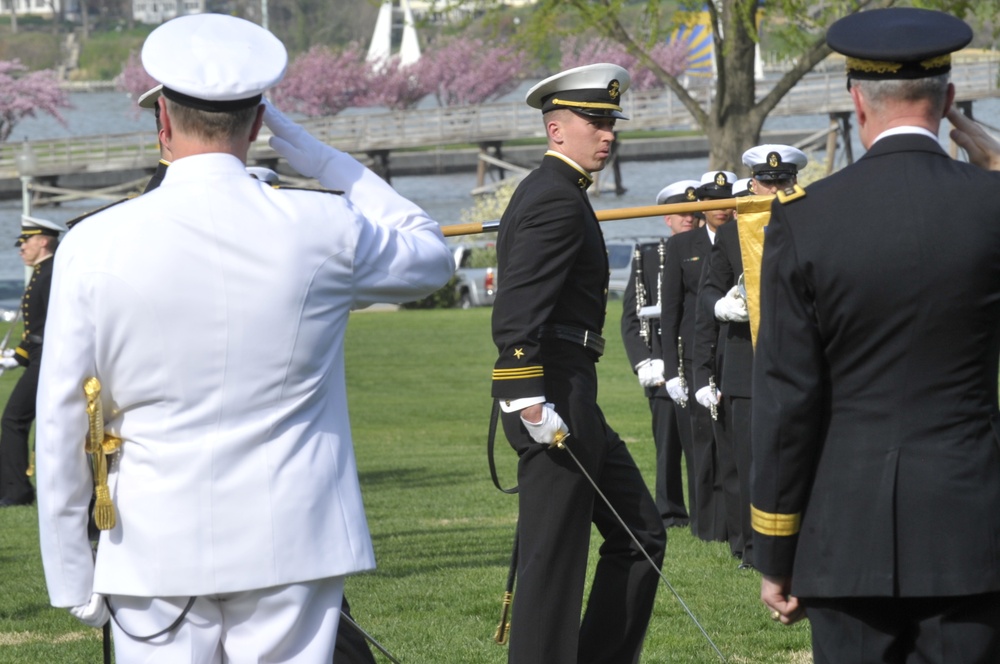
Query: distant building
155	12
445	13
45	8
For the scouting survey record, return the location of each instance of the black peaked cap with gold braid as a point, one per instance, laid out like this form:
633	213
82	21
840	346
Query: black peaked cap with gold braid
898	42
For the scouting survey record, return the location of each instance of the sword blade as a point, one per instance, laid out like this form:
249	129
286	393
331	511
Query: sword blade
561	444
371	639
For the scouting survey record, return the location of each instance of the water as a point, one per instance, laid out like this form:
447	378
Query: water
443	196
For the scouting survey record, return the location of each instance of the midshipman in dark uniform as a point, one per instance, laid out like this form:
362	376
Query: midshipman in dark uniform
547	321
36	244
876	433
681	280
640	329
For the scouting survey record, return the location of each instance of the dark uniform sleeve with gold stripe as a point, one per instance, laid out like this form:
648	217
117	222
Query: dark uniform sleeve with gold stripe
34	306
788	401
537	247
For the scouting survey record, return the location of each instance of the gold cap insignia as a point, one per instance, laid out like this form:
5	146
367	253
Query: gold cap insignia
720	179
773	159
690	194
613	89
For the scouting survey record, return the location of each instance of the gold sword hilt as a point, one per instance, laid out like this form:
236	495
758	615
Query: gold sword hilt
503	629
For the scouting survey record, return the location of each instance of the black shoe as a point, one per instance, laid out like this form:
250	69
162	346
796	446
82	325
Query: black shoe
676	523
746	566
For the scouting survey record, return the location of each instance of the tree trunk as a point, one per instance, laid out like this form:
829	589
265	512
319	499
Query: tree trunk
734	121
13	16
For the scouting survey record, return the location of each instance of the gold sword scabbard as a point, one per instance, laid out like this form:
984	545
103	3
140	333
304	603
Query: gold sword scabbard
99	446
503	629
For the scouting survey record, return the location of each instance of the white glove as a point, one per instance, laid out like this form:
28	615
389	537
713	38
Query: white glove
304	152
650	373
550	429
676	392
705	397
94	613
732	308
8	352
8	363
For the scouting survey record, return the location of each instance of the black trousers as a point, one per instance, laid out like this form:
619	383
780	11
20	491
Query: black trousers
908	630
350	646
729	483
708	509
18	416
557	505
670	448
739	438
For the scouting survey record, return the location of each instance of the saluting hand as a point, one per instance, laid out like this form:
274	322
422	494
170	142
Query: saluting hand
305	153
983	149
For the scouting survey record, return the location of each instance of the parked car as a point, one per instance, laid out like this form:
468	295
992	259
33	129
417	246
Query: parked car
476	283
10	298
620	252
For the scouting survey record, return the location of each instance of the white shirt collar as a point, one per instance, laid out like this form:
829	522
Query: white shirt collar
905	129
711	233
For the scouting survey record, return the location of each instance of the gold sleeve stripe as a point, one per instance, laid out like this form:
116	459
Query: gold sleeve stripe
20	351
516	374
775	525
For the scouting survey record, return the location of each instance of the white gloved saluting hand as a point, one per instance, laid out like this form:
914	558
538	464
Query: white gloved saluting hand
676	392
305	153
550	429
650	373
94	613
706	398
732	308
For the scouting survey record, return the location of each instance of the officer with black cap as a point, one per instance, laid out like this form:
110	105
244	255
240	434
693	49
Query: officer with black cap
876	472
36	244
547	324
206	320
681	282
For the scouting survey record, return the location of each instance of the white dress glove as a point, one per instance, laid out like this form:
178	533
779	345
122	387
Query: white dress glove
550	429
705	397
94	613
732	307
305	153
8	363
8	352
650	373
676	392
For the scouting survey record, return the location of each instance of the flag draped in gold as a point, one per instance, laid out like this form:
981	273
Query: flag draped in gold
753	213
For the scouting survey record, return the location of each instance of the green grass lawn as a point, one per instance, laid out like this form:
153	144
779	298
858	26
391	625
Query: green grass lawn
418	386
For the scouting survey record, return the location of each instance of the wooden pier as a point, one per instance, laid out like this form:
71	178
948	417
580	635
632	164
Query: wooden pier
100	166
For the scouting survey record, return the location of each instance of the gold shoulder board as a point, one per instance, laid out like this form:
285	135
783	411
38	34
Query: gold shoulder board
73	222
792	193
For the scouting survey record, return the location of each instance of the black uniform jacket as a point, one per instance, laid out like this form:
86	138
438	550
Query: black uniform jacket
551	253
645	272
686	255
34	305
722	271
875	416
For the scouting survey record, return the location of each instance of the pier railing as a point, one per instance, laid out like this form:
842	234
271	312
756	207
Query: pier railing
371	132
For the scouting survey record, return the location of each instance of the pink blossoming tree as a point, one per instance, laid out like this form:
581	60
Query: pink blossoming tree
25	95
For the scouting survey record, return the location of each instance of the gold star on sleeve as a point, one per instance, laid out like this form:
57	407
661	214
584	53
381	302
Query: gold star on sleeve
519	353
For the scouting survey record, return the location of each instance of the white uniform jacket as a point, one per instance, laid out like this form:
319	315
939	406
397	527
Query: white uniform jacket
213	312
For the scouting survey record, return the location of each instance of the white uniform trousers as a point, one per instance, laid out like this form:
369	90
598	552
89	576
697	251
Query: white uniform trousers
291	623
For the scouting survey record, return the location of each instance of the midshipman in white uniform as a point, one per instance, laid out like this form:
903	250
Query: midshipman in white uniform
211	314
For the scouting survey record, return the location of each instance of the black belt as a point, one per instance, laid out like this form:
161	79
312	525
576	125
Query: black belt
589	340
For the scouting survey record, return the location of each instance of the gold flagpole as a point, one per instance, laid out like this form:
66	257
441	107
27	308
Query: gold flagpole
612	215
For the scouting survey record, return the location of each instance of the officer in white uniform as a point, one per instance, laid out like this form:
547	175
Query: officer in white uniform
215	328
